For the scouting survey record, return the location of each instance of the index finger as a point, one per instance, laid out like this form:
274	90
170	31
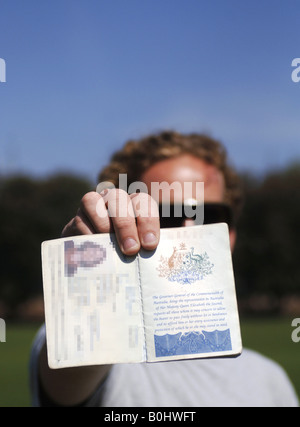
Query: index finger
122	216
147	219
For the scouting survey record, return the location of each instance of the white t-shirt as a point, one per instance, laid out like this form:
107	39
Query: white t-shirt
248	380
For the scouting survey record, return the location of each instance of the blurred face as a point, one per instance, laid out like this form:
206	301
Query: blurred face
187	168
89	255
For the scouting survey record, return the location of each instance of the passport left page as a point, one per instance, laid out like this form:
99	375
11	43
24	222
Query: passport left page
92	303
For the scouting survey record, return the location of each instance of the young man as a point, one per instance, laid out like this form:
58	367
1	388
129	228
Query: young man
249	380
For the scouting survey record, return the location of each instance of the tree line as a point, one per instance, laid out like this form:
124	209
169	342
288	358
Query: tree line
267	254
266	258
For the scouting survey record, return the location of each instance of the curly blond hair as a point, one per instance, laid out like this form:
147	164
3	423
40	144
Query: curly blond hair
137	156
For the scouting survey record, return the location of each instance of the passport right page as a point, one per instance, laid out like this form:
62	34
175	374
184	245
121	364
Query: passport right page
188	295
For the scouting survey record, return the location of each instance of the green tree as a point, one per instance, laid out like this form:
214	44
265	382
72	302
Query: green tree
266	259
32	211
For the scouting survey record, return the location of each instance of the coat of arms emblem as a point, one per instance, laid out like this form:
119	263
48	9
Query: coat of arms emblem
184	266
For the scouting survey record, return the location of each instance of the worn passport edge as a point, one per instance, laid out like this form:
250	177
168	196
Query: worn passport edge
236	352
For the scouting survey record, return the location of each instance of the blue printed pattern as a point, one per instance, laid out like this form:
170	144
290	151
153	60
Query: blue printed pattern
192	343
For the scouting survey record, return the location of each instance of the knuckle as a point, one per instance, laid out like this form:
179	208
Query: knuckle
73	227
101	210
119	204
124	223
66	230
77	222
117	194
89	198
145	206
141	196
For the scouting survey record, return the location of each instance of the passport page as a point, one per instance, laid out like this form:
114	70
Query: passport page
92	302
188	293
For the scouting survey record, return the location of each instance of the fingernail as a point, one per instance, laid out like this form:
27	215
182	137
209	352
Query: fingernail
149	238
129	243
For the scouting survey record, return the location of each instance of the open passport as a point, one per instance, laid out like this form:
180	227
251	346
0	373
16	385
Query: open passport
177	302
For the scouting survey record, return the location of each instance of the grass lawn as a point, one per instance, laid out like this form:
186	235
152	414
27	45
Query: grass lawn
14	359
271	337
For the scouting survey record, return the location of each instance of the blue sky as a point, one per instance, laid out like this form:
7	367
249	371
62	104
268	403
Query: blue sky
84	76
